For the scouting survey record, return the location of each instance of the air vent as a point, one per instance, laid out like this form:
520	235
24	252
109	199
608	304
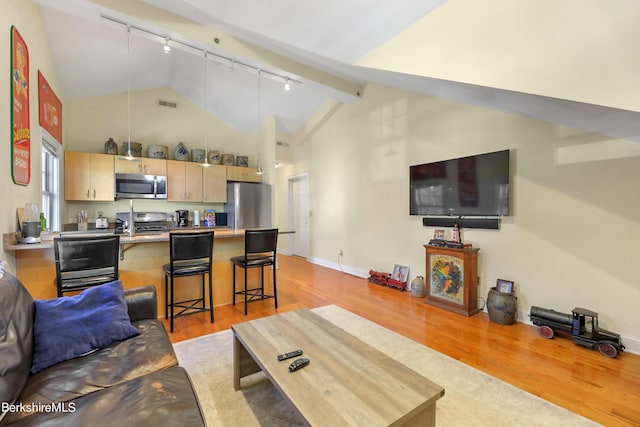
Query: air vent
167	104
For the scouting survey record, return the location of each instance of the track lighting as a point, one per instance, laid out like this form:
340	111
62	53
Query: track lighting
234	63
287	86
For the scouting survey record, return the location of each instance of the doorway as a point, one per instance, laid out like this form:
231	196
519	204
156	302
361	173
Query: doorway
299	215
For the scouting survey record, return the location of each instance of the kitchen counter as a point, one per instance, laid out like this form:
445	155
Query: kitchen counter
10	243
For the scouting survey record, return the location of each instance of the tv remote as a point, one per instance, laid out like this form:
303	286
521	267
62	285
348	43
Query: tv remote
298	364
289	355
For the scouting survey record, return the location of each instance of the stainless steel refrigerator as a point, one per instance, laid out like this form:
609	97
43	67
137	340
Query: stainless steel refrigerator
248	205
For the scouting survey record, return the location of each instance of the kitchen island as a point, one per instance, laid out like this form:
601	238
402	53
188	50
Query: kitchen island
141	259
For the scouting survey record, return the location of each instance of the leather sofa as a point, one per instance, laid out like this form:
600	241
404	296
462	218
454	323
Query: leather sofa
135	382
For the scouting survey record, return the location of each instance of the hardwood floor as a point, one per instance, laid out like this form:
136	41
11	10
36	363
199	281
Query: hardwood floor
604	390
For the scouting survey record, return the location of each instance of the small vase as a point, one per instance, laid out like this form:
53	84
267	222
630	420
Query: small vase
418	287
111	147
180	152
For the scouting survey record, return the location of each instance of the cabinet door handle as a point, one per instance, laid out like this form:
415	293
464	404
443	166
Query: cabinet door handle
94	193
88	193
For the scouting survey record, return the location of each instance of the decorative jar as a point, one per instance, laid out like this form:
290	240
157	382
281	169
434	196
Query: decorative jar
418	287
502	307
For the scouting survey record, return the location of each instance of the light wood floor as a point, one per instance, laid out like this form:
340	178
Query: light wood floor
601	389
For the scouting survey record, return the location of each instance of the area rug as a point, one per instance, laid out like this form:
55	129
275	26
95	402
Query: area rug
472	398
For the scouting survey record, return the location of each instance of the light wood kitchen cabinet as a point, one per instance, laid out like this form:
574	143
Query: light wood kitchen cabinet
214	184
143	165
239	173
88	176
184	181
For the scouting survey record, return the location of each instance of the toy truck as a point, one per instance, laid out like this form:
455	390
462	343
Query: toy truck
582	324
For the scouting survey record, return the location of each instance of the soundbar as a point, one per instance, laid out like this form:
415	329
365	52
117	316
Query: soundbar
484	223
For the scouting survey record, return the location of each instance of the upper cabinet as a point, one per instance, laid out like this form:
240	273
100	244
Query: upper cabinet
184	181
143	165
214	184
88	176
188	181
239	173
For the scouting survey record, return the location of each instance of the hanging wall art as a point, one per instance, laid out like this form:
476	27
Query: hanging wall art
20	124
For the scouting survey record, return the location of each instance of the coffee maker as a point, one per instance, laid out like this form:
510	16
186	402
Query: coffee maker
182	217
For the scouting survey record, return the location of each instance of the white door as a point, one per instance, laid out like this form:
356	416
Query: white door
299	215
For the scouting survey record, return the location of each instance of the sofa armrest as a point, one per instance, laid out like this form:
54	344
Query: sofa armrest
141	303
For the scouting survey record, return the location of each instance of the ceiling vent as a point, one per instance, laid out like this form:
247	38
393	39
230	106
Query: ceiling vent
167	104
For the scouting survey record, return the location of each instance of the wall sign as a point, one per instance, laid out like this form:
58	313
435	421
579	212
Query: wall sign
20	129
49	108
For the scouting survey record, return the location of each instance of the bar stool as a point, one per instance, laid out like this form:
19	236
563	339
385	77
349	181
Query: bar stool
259	251
83	262
190	255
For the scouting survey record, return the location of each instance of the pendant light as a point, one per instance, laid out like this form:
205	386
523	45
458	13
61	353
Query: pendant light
128	155
206	163
259	170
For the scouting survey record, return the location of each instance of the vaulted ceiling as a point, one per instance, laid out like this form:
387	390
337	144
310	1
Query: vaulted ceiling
572	62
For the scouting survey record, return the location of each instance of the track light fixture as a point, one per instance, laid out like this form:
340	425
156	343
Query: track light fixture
234	64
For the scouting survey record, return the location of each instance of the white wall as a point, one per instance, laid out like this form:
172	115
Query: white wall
570	240
26	17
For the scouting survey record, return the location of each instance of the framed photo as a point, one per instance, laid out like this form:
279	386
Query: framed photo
504	286
438	235
400	273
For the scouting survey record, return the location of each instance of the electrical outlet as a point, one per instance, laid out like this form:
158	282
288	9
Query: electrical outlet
340	254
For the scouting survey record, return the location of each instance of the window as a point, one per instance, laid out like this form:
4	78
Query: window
51	182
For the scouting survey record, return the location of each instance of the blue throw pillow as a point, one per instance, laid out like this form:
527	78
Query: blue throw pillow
69	327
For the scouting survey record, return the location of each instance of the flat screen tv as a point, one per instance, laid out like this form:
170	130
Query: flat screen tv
467	186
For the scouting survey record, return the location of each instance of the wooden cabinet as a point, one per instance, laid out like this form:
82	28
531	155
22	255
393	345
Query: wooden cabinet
239	173
184	181
141	165
214	184
88	176
452	279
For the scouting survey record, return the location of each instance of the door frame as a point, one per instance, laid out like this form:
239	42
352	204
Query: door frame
290	213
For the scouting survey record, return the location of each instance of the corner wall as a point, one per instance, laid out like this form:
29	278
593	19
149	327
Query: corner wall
568	243
26	17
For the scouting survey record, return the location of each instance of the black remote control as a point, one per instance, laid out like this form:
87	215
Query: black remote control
298	363
289	355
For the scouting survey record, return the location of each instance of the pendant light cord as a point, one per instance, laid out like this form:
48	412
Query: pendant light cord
259	172
129	87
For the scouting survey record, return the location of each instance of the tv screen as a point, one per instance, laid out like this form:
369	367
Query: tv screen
467	186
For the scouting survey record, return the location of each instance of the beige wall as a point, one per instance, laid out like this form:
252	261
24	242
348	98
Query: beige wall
26	17
570	240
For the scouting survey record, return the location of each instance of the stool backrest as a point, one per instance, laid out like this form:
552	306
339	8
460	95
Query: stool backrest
87	256
191	245
260	240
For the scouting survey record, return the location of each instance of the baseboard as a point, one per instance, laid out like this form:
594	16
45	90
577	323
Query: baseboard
340	267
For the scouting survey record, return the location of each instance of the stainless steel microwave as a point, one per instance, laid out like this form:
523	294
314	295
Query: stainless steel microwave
138	186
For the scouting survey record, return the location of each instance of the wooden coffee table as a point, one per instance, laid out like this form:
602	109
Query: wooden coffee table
348	382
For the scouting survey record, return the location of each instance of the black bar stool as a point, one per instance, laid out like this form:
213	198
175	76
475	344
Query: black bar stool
259	251
190	255
83	262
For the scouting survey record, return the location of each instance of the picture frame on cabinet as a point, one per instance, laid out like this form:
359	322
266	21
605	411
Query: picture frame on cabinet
504	286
